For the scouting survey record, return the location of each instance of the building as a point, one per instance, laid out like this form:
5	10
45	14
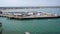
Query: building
6	10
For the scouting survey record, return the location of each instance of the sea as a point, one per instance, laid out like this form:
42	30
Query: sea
33	26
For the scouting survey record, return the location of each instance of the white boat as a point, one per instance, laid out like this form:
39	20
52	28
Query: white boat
27	33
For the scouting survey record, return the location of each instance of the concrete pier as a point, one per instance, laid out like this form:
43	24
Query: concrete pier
37	15
31	17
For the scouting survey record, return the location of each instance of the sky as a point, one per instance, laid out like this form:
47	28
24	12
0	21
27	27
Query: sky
18	3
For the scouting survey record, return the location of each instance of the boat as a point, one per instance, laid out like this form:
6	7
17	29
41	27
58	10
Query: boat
27	33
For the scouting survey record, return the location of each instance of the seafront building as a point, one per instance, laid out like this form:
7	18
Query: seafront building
11	10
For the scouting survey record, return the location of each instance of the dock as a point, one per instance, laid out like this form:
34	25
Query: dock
32	17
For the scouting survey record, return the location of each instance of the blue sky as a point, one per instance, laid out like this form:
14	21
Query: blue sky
7	3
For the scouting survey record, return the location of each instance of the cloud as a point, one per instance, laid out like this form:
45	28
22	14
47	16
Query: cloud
29	2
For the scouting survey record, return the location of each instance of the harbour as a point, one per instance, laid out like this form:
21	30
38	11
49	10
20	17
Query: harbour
38	26
33	26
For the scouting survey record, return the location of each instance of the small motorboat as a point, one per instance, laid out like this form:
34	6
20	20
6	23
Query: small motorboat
27	33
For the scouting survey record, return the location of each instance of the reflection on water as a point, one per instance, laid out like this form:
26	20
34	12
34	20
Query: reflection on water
37	26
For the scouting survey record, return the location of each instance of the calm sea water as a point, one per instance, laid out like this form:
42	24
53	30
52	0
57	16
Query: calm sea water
36	26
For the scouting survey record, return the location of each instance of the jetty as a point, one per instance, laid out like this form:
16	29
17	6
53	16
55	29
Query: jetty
33	15
28	15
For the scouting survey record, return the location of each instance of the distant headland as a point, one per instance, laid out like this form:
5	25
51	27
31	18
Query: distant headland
32	7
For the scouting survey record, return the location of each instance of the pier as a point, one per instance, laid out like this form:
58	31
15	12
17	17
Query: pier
29	15
33	17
